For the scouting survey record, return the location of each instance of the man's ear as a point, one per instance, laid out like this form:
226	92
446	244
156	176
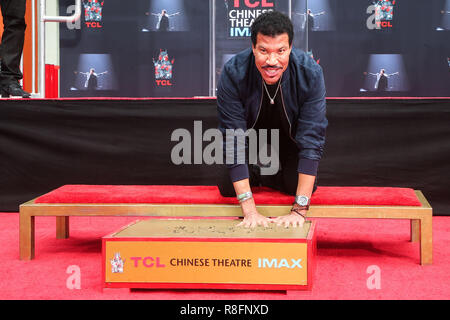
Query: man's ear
290	48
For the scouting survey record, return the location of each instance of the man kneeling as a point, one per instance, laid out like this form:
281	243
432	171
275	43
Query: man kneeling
276	87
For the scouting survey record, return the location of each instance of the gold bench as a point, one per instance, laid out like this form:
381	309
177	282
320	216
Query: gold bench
420	216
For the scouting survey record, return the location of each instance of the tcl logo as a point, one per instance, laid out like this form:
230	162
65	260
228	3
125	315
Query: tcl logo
93	25
148	262
253	4
163	83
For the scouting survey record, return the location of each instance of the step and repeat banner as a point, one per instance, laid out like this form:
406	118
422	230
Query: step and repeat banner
135	48
177	48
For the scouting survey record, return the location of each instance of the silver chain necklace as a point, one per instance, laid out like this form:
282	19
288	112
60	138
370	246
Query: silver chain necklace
272	100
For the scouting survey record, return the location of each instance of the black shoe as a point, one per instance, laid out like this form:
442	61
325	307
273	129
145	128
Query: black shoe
14	90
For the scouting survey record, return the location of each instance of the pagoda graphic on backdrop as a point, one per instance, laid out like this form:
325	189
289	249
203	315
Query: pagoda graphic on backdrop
163	68
93	10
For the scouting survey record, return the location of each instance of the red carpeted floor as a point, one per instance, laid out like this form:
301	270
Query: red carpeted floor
346	249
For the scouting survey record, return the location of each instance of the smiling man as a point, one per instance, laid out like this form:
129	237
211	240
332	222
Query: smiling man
273	86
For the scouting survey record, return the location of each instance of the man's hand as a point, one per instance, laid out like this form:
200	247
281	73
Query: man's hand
305	187
293	219
252	218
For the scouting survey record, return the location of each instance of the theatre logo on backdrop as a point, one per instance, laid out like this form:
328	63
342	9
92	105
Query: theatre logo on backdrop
163	69
381	15
117	263
93	13
242	13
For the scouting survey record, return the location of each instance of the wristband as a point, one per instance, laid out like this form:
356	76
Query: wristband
298	210
244	196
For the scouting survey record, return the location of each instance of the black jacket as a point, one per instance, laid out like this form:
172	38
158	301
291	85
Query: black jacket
239	98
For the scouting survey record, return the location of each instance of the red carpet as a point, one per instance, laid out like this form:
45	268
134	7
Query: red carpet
210	195
346	248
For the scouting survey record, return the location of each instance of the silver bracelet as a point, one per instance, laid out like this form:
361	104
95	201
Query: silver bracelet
244	196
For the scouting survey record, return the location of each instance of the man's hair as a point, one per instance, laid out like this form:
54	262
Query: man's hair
272	23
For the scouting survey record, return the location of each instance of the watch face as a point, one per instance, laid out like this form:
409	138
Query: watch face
302	200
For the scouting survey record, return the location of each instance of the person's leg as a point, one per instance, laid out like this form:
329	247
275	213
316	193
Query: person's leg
224	182
286	179
13	37
225	185
13	12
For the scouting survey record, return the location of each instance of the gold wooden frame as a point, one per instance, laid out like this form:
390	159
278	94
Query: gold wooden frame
420	217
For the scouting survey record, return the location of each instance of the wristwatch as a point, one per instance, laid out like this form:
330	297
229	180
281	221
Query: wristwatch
302	201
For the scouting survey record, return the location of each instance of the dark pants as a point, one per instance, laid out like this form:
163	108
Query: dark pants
13	12
285	180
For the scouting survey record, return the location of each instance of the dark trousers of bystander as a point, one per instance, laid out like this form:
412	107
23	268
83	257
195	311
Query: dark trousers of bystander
13	12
